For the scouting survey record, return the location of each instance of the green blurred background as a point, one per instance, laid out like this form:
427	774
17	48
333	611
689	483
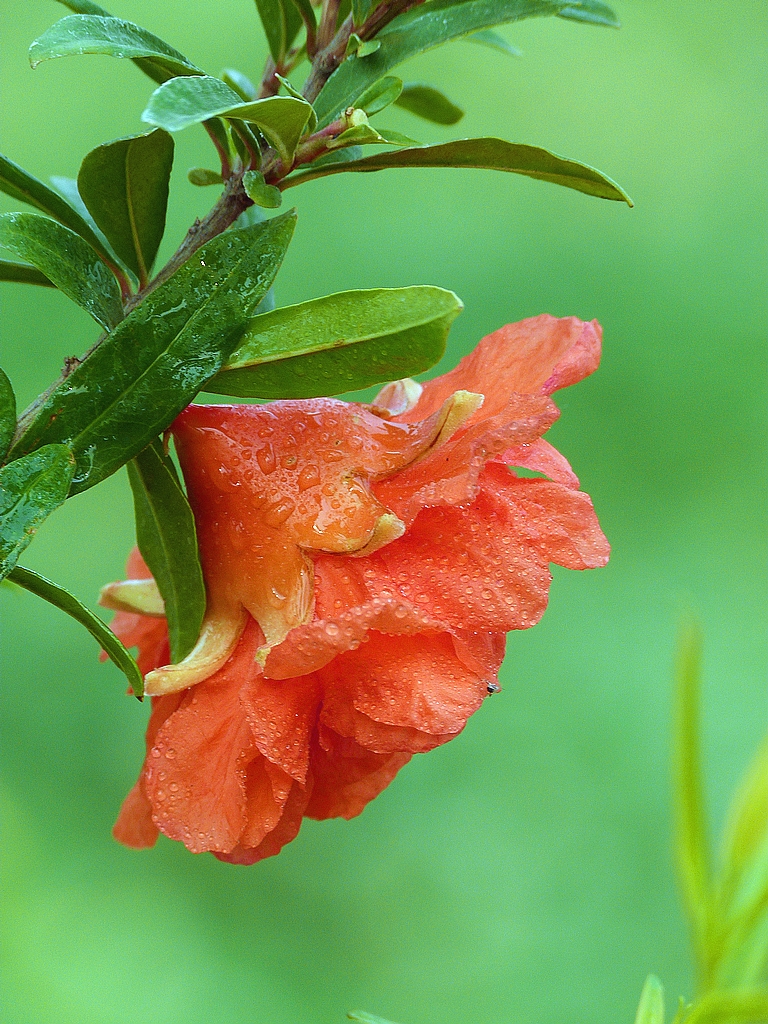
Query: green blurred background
523	872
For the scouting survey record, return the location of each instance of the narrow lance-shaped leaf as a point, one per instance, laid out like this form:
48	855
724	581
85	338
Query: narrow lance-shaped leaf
690	819
186	101
67	261
151	366
363	1017
281	21
340	343
650	1010
360	11
124	184
95	34
493	41
61	598
491	154
380	95
591	12
7	414
429	103
746	834
165	532
19	184
30	489
23	274
420	29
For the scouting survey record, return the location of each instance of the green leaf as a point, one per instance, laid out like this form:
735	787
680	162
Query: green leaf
124	185
364	134
494	41
420	29
67	261
165	532
201	176
129	388
492	154
241	84
380	95
292	91
737	1007
30	489
690	819
18	184
7	414
61	598
281	21
591	12
85	7
113	37
186	101
651	1007
67	187
262	194
340	343
366	1018
746	832
429	103
23	273
360	11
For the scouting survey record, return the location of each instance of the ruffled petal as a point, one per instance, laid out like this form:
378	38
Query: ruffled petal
196	769
134	826
541	457
536	356
347	776
282	715
285	830
400	694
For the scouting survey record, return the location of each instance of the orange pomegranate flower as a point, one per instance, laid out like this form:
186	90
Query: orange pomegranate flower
363	565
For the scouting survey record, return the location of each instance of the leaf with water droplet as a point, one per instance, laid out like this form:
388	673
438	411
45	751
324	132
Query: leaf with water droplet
129	388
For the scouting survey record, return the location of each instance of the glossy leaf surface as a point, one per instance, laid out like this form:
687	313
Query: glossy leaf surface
7	414
417	30
66	260
18	184
340	343
591	12
186	101
380	95
124	185
165	532
429	103
262	194
95	34
491	154
61	598
23	273
151	366
30	489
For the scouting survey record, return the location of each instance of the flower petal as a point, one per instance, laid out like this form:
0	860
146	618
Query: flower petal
535	356
347	776
405	694
543	458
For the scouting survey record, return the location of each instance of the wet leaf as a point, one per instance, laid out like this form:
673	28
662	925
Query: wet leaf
492	154
127	391
23	273
18	184
186	101
340	343
124	185
7	414
61	598
30	489
429	103
90	33
165	532
67	261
